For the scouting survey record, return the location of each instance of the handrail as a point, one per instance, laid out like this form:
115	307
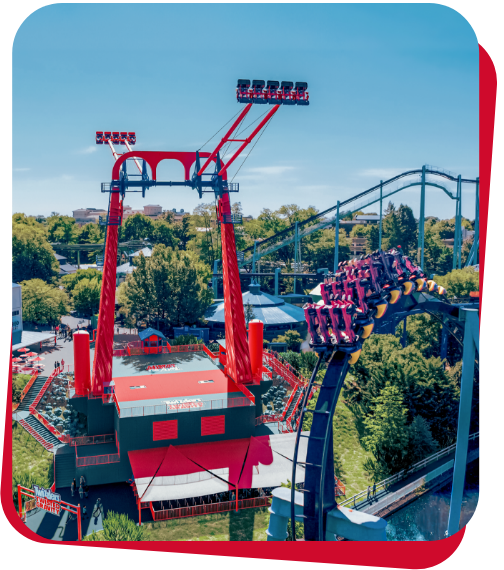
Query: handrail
35	402
402	474
91	439
28	386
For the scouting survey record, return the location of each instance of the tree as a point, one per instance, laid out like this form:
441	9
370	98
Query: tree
86	295
72	280
170	286
388	434
62	229
292	338
182	231
421	442
42	303
320	249
32	256
118	527
163	233
459	282
438	258
407	229
249	313
138	227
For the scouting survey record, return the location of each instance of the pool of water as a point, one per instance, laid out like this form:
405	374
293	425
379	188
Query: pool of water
427	517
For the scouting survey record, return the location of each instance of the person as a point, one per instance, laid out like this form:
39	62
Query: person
374	489
368	492
56	330
97	511
63	366
73	486
55	365
86	491
84	512
82	480
81	491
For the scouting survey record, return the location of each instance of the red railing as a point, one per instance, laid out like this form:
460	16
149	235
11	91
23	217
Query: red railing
267	419
91	439
162	409
28	386
99	459
50	427
209	509
43	389
37	436
283	369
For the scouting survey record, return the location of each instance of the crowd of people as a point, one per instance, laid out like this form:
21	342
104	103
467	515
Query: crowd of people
224	497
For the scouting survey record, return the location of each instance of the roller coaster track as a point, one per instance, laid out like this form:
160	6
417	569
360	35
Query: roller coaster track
319	487
320	221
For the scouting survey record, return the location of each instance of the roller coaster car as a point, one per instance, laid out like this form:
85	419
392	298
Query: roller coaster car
286	93
99	137
258	95
107	135
116	138
123	137
242	91
272	94
132	138
302	95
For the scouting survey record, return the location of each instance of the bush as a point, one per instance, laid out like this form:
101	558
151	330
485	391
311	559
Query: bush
293	340
118	527
19	381
185	339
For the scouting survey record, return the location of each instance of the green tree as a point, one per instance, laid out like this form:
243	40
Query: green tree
388	434
163	233
438	258
32	256
118	527
86	295
292	338
42	303
421	442
459	282
170	286
72	280
407	229
62	229
138	227
182	231
249	313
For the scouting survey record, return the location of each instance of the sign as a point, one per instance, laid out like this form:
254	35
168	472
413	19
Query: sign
184	404
162	367
47	500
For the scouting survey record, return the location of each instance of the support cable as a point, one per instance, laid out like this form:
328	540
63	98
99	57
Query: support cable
258	139
218	131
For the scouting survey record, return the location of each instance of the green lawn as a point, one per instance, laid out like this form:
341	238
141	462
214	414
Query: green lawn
248	524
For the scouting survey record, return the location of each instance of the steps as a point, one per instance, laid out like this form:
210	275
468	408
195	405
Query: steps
33	392
40	433
65	470
292	404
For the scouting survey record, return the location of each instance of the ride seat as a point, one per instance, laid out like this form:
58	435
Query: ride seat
258	91
242	91
286	93
302	93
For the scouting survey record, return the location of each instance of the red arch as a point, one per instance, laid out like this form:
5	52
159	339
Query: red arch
154	157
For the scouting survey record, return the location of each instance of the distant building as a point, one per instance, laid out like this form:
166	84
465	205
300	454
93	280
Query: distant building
367	219
64	267
88	215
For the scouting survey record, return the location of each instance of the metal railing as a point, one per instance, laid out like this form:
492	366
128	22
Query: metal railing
386	483
163	409
97	460
28	386
35	402
209	509
91	439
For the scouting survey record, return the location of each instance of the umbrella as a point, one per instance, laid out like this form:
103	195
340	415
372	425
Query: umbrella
23	350
17	359
39	358
32	354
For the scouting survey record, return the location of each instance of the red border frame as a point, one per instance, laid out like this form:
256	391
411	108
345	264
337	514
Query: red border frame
383	554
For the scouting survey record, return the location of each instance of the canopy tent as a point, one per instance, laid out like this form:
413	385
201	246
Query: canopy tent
316	294
185	471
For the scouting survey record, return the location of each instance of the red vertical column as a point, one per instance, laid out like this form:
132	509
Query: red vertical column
102	366
255	338
82	363
237	350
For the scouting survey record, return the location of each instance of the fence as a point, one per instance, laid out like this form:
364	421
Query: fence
90	439
43	390
209	509
136	348
162	409
99	459
283	369
267	419
386	483
28	386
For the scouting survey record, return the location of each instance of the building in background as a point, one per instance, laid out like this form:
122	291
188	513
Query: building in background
17	314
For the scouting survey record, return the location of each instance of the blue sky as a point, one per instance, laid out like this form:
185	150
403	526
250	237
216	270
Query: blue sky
391	86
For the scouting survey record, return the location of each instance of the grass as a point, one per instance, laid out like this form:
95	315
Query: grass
349	455
248	524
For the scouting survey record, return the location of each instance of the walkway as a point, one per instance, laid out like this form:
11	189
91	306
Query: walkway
386	497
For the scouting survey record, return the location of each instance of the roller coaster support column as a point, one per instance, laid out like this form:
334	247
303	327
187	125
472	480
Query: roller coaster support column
336	238
277	272
214	278
443	353
254	257
457	242
421	223
381	214
471	346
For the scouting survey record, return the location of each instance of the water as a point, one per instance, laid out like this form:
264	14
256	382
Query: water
427	517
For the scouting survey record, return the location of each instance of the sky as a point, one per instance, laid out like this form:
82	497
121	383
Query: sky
392	87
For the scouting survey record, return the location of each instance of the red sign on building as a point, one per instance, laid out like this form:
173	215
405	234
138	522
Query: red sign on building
47	500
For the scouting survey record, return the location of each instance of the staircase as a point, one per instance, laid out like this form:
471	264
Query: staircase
293	403
32	394
40	433
65	470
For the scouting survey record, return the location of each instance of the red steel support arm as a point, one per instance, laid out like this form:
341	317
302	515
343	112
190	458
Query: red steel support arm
249	139
225	138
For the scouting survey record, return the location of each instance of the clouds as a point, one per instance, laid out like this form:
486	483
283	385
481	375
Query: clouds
382	173
270	170
88	150
21	169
